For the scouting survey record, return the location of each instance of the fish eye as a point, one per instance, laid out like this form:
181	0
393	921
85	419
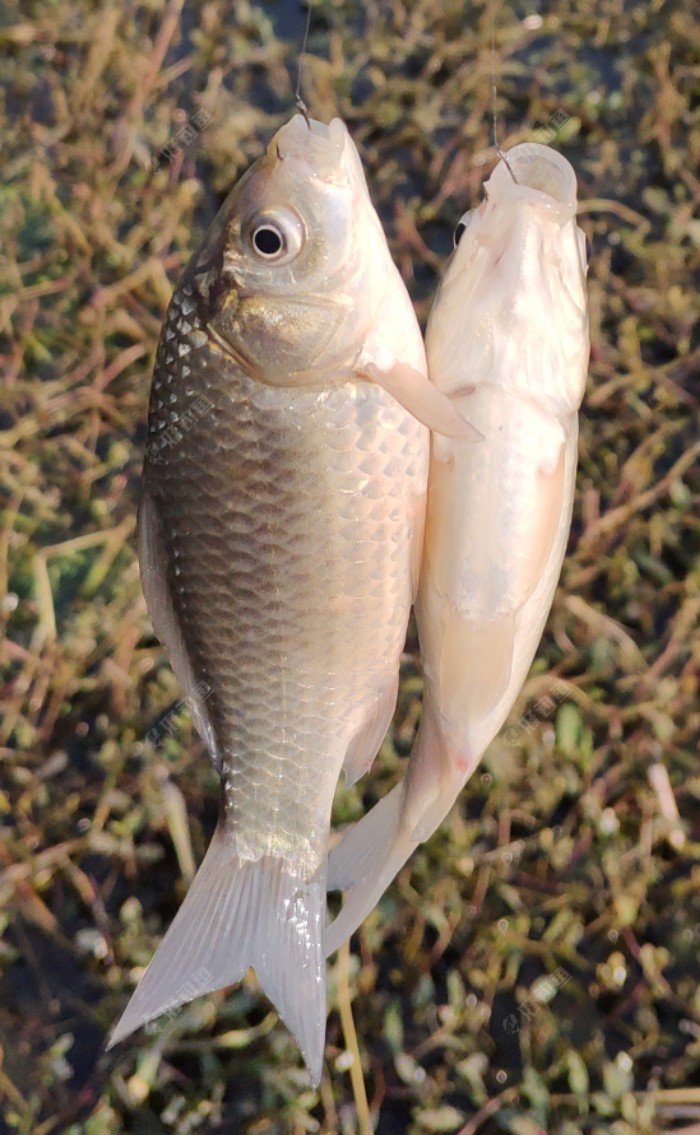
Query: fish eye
461	226
276	237
268	241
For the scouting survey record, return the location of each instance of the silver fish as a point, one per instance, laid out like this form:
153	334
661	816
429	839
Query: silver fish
281	529
508	341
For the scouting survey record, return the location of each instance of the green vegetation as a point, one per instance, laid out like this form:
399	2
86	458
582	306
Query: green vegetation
535	966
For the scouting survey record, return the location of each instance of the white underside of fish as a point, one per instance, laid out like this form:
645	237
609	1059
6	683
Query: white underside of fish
508	341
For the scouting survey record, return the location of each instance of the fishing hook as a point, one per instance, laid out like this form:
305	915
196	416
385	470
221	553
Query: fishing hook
298	100
496	144
502	155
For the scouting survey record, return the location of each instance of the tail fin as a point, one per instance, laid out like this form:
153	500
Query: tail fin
364	863
240	913
369	856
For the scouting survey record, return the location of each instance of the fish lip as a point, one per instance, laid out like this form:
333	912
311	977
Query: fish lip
542	176
319	145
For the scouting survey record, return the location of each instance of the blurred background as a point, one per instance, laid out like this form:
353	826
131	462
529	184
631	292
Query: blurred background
534	968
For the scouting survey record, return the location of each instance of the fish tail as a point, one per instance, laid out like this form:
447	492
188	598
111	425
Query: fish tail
364	862
371	853
240	913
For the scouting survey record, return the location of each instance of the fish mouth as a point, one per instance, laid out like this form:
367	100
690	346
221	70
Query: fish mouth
319	145
537	173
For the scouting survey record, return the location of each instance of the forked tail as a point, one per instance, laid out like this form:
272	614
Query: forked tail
240	913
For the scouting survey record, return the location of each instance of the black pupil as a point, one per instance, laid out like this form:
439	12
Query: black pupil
458	232
267	241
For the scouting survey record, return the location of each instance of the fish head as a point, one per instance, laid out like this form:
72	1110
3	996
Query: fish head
512	307
286	275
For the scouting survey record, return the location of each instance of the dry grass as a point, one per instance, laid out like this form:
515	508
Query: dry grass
575	850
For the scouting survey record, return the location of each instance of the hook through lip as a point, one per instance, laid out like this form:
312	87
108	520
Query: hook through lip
543	175
502	155
298	100
303	109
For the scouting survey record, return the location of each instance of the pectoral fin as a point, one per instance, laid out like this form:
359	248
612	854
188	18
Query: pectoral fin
417	394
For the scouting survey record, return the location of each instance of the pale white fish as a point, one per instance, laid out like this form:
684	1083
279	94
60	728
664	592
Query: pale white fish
507	340
281	529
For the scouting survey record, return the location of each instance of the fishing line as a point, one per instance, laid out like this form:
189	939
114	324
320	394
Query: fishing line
494	100
298	100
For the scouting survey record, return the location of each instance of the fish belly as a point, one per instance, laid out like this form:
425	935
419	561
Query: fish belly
497	524
498	521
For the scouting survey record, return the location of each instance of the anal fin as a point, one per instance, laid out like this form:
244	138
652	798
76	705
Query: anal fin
365	744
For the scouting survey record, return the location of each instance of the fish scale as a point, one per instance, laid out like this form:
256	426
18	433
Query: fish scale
254	560
280	529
